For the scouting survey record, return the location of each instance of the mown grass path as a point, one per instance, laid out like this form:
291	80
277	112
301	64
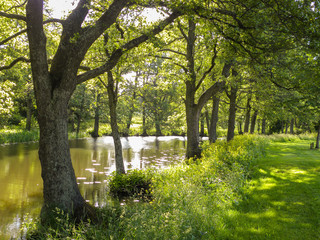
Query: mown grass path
283	198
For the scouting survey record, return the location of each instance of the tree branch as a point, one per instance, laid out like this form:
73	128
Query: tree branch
182	31
215	88
13	16
171	50
210	69
18	6
13	36
14	62
25	30
116	55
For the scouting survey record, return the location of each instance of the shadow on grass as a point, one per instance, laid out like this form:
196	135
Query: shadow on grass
283	198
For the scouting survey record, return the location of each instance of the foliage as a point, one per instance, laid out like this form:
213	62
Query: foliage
133	184
6	101
18	135
190	201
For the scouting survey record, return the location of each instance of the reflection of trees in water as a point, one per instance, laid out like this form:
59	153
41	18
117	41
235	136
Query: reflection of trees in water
20	174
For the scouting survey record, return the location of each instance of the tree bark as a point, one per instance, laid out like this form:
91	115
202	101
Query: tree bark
263	126
54	88
29	111
232	113
113	98
214	119
247	117
192	114
144	118
318	137
60	189
132	107
240	128
158	128
253	121
202	125
292	126
95	133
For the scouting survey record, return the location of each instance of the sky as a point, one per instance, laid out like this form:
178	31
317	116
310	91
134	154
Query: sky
61	7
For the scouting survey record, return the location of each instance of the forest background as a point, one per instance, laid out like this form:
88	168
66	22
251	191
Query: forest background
230	67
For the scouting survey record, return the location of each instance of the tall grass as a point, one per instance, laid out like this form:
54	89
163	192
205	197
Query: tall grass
190	200
292	138
18	135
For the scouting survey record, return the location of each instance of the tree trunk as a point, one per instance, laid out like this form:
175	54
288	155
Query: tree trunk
232	113
158	128
29	111
202	125
95	133
247	117
193	149
214	120
144	126
60	187
78	124
318	137
287	126
240	128
292	126
112	94
207	120
131	107
253	121
263	126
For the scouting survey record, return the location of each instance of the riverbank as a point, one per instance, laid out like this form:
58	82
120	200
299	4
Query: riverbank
189	200
9	136
234	192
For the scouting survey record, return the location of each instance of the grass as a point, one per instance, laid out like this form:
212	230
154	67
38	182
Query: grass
283	196
190	200
233	192
18	135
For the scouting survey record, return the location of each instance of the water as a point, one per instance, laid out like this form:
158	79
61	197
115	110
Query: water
93	161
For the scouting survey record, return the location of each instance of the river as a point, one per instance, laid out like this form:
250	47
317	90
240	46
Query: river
93	161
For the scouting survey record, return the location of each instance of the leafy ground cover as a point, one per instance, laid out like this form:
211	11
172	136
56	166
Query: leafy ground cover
283	196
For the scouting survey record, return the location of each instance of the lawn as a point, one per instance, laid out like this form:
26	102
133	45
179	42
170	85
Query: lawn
283	197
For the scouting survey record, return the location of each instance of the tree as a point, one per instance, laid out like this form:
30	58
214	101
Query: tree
55	81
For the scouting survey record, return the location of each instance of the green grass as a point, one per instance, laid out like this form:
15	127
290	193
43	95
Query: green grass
18	135
283	197
234	192
190	200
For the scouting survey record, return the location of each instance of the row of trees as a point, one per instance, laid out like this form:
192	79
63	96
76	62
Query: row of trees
239	61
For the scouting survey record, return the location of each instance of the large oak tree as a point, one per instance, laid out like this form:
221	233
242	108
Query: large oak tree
56	79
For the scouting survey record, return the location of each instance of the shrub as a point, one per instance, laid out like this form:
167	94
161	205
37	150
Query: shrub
135	184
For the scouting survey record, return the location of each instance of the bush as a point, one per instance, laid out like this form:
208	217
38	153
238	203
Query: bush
134	184
189	201
16	135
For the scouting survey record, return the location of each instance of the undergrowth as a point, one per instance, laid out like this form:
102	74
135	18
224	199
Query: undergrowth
190	200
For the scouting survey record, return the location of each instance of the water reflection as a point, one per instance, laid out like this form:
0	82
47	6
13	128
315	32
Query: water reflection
93	161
